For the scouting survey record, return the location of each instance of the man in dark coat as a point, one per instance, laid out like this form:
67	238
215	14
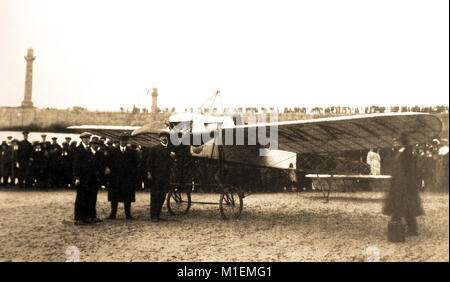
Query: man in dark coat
141	164
72	149
86	179
66	164
123	186
403	200
38	164
8	163
54	159
45	165
25	161
100	166
5	162
159	165
15	161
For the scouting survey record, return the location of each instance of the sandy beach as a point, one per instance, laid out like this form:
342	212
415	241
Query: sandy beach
38	226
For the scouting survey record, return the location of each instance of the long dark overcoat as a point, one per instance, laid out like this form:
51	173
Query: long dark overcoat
159	163
403	198
124	182
85	168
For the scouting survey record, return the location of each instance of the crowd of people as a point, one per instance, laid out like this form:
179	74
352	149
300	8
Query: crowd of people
431	163
92	164
46	165
42	164
333	110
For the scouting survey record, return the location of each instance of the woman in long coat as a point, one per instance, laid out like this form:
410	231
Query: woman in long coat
403	200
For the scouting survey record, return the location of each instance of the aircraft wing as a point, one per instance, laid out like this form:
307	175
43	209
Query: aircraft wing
147	139
359	132
325	135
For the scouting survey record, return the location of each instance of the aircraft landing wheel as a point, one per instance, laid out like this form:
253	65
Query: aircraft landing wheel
178	202
231	204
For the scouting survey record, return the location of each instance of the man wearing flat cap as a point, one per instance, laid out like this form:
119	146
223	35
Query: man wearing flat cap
7	160
84	170
54	159
15	161
45	165
25	161
66	164
38	164
159	165
44	141
123	180
13	154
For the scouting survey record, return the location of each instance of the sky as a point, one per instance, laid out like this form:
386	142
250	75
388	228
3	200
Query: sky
103	55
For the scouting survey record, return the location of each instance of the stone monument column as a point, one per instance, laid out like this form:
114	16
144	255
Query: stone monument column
27	103
155	101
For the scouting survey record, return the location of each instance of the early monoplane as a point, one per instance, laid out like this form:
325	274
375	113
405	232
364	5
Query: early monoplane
232	144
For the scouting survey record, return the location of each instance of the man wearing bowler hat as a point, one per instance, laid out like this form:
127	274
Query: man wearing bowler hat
84	170
123	180
159	165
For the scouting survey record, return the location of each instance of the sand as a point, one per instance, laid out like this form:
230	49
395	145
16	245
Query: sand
38	226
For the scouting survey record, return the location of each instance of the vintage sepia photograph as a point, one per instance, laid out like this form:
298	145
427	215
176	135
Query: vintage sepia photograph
224	131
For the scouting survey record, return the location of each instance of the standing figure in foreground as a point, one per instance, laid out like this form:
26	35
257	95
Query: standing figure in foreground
123	186
84	171
403	200
159	165
100	166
